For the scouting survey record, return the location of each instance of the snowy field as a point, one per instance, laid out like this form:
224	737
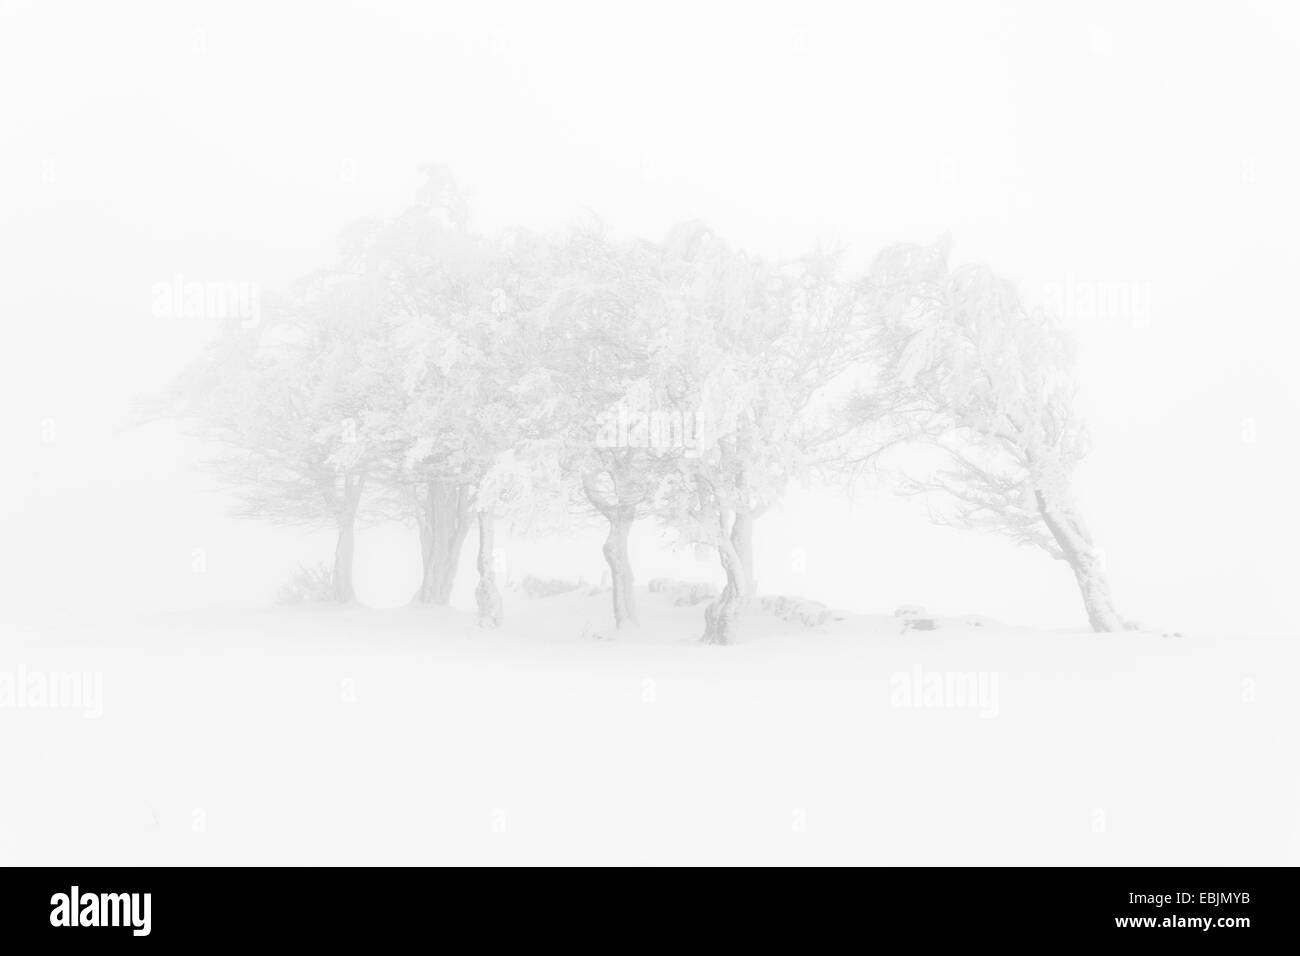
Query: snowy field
410	736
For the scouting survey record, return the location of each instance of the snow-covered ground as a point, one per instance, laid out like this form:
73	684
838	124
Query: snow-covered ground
327	735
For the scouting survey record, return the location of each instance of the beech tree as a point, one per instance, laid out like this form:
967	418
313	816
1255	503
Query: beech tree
289	410
605	319
475	398
990	383
451	378
435	272
759	348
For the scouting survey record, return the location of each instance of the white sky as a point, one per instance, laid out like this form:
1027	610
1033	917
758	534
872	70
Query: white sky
1133	147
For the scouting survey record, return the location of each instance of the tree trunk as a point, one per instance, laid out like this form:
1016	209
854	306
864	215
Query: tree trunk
345	550
1076	546
620	567
444	524
722	615
343	553
742	539
620	514
486	594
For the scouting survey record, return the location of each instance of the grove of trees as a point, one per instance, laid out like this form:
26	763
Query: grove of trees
456	380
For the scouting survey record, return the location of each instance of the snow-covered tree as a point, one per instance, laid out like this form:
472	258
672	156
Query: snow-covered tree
289	406
759	348
474	398
989	381
618	430
437	275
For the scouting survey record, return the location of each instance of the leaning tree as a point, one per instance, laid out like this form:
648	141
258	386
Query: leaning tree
989	382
